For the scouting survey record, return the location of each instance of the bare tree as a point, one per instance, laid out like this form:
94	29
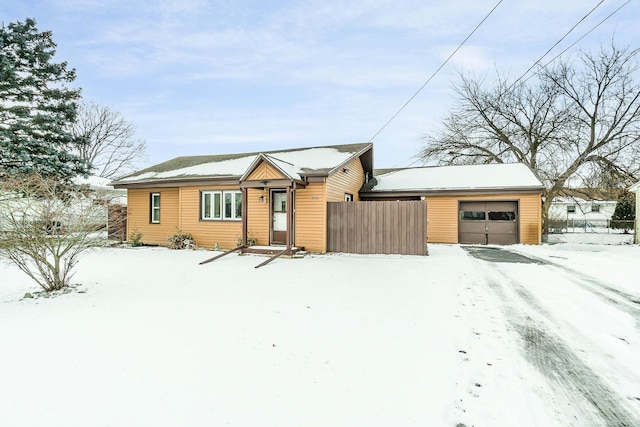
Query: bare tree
577	118
111	146
46	225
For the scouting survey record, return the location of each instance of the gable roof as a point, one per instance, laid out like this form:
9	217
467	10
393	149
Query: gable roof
294	163
495	176
635	187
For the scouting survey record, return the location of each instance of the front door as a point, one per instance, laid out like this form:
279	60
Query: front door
278	217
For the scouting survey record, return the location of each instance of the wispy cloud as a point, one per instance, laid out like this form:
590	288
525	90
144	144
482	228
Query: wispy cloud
225	74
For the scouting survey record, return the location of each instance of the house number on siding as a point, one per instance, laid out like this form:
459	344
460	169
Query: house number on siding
314	197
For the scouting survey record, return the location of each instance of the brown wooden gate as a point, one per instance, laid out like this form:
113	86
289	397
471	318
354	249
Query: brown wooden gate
397	227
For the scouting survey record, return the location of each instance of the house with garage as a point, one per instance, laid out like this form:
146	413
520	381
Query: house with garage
294	198
267	198
476	204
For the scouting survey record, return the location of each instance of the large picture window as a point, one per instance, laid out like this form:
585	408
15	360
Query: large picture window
155	208
221	205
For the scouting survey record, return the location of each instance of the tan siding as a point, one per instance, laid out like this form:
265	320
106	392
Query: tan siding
207	233
138	214
442	219
350	182
311	217
264	171
258	216
442	213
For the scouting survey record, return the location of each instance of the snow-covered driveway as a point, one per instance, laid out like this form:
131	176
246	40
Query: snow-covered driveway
338	340
579	329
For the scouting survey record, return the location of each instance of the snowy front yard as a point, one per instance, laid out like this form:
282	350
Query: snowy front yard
155	339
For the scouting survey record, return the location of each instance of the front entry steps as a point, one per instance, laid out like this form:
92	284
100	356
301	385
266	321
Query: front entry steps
272	251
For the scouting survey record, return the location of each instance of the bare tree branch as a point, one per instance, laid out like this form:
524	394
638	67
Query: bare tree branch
112	147
582	116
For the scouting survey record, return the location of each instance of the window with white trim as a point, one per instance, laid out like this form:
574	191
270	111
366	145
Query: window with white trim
348	197
221	205
155	208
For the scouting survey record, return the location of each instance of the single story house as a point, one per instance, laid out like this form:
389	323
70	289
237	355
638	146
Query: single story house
576	212
282	197
475	204
635	188
276	197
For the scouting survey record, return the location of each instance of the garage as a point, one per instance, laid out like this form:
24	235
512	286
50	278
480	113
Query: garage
488	222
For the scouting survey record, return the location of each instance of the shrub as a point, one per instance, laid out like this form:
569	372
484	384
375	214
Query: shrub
180	240
135	237
251	241
624	213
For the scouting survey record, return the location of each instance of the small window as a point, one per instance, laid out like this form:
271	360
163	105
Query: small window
502	216
217	205
155	208
595	208
472	215
571	208
348	197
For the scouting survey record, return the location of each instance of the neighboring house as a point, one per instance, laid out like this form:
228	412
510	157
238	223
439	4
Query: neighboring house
635	188
281	198
101	194
476	204
581	213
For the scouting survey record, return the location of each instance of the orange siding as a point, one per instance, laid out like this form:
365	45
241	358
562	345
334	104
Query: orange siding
350	182
264	171
442	213
311	217
139	215
207	233
258	216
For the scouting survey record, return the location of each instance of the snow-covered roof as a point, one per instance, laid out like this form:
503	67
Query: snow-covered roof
93	181
294	162
635	187
466	177
579	200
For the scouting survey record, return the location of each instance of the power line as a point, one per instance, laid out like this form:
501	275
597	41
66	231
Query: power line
436	72
556	44
580	39
541	57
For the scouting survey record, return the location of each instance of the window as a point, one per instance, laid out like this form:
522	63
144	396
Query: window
221	205
155	208
502	216
571	208
348	197
595	208
472	215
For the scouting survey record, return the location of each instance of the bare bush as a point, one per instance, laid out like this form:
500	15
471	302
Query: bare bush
46	225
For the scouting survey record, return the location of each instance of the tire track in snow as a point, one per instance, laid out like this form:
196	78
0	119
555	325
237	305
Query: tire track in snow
624	301
555	359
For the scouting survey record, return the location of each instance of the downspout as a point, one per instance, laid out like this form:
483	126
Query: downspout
245	220
289	214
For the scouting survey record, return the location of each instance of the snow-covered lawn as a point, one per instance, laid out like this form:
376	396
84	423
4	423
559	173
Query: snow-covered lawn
155	339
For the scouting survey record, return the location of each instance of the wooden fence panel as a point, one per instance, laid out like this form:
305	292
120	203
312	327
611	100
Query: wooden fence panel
377	227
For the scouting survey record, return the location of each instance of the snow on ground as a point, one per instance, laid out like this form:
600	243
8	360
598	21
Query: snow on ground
336	340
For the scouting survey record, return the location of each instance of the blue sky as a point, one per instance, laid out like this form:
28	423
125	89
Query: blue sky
211	76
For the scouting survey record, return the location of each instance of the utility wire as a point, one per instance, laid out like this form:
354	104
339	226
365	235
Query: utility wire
580	39
436	72
515	83
541	57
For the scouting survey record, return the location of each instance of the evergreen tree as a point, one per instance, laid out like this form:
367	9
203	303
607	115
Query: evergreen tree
625	213
36	105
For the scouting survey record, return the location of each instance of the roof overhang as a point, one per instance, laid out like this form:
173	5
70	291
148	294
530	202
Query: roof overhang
449	192
178	182
272	183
